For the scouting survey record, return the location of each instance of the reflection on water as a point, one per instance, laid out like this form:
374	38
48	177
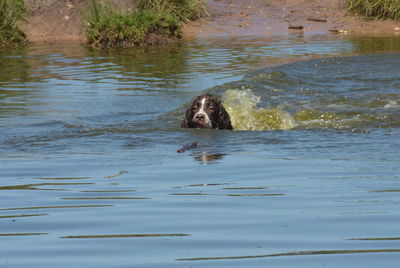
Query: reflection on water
376	44
375	238
23	234
124	235
216	190
90	173
101	197
36	186
297	253
14	66
23	215
56	207
208	158
201	185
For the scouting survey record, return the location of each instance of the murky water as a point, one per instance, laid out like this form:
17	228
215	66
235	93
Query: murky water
90	176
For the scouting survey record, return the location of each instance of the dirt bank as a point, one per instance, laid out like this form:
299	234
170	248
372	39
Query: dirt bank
269	17
60	20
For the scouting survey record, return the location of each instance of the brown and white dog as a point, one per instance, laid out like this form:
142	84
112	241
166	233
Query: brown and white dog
207	112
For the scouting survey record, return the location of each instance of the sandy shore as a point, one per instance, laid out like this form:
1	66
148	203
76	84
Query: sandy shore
270	17
52	21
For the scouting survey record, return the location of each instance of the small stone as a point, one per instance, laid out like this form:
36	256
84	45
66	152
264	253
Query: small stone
296	27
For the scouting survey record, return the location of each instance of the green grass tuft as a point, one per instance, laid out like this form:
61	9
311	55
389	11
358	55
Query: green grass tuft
382	9
11	12
184	10
109	26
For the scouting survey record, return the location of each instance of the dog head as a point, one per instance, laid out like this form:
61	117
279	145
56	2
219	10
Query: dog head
207	112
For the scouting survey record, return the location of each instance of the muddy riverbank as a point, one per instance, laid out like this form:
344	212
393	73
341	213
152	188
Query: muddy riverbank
265	18
52	21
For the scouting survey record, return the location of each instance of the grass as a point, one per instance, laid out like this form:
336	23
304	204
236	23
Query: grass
11	12
109	26
382	9
184	10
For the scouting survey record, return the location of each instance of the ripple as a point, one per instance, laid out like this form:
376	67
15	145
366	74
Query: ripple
35	186
23	215
199	194
21	234
375	238
295	253
56	207
102	198
126	235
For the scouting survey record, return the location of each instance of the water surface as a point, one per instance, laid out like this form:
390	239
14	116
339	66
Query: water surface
90	176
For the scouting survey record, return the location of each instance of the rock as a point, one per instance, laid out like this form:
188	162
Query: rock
296	27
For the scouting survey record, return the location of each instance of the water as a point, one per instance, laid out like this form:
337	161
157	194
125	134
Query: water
90	176
341	93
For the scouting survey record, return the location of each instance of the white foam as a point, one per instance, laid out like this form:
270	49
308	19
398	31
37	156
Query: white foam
241	105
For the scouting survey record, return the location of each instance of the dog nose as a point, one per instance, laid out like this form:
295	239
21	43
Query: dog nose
200	117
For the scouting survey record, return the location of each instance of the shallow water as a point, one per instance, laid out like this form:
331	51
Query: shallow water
90	175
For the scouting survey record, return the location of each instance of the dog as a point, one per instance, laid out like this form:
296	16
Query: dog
207	112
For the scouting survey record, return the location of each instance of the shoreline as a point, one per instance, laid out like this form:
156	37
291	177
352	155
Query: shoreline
55	21
259	18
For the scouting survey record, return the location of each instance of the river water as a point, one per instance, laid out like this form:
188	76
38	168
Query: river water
310	177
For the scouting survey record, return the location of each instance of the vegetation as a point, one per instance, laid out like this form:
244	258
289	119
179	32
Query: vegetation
184	10
382	9
11	12
154	21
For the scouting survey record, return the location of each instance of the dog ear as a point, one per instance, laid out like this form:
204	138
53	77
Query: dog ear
224	120
187	119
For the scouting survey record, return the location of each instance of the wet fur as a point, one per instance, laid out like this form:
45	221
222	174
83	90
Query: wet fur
218	116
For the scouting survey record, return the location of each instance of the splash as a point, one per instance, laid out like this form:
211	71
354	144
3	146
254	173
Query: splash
241	105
